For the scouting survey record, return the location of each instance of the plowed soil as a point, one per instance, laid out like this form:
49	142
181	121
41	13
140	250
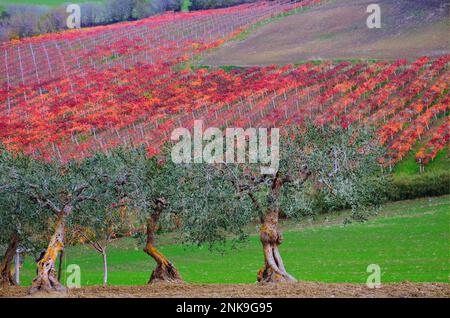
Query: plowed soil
291	290
337	29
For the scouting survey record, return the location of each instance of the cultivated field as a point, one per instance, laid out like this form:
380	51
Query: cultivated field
131	83
291	290
337	29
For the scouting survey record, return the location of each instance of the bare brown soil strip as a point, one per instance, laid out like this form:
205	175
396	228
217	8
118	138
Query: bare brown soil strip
410	29
291	290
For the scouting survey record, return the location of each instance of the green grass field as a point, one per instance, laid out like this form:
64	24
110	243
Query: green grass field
409	240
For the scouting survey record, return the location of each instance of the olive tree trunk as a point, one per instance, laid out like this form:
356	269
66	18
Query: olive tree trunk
273	270
61	262
46	279
6	277
270	236
165	271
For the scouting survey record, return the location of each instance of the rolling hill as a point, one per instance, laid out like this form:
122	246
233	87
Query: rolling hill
337	30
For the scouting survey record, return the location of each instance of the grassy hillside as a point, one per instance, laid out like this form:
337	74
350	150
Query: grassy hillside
409	240
337	29
408	166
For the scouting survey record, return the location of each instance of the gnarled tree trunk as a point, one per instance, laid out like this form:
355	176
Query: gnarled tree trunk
273	270
6	277
164	271
46	279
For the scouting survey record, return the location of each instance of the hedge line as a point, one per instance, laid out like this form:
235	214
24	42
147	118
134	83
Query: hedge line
405	187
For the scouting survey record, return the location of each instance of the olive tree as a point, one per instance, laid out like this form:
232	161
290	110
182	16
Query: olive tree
22	222
58	189
149	191
337	165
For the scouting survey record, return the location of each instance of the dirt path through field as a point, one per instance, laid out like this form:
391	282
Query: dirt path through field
303	289
409	29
